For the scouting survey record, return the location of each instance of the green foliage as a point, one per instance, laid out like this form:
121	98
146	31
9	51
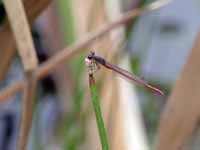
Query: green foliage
135	64
66	20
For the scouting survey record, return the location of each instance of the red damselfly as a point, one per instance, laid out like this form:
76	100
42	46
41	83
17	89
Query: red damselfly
94	61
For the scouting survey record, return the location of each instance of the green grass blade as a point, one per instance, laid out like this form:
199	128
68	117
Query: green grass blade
98	114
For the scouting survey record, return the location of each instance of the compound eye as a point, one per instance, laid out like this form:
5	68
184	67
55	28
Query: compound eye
91	55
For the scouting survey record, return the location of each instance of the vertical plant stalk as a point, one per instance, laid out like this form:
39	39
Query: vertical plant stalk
27	110
21	30
98	114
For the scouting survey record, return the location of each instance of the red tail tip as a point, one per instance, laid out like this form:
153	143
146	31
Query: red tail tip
159	91
156	90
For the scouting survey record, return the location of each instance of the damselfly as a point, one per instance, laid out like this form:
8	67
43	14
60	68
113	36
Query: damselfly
94	61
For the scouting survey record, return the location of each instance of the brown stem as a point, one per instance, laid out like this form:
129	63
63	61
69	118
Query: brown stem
27	110
33	9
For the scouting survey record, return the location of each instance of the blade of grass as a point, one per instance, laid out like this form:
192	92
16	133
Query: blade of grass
98	114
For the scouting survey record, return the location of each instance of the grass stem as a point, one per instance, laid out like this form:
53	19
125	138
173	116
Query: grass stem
98	114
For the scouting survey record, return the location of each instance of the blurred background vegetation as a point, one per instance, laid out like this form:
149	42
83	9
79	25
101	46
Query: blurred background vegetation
153	46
